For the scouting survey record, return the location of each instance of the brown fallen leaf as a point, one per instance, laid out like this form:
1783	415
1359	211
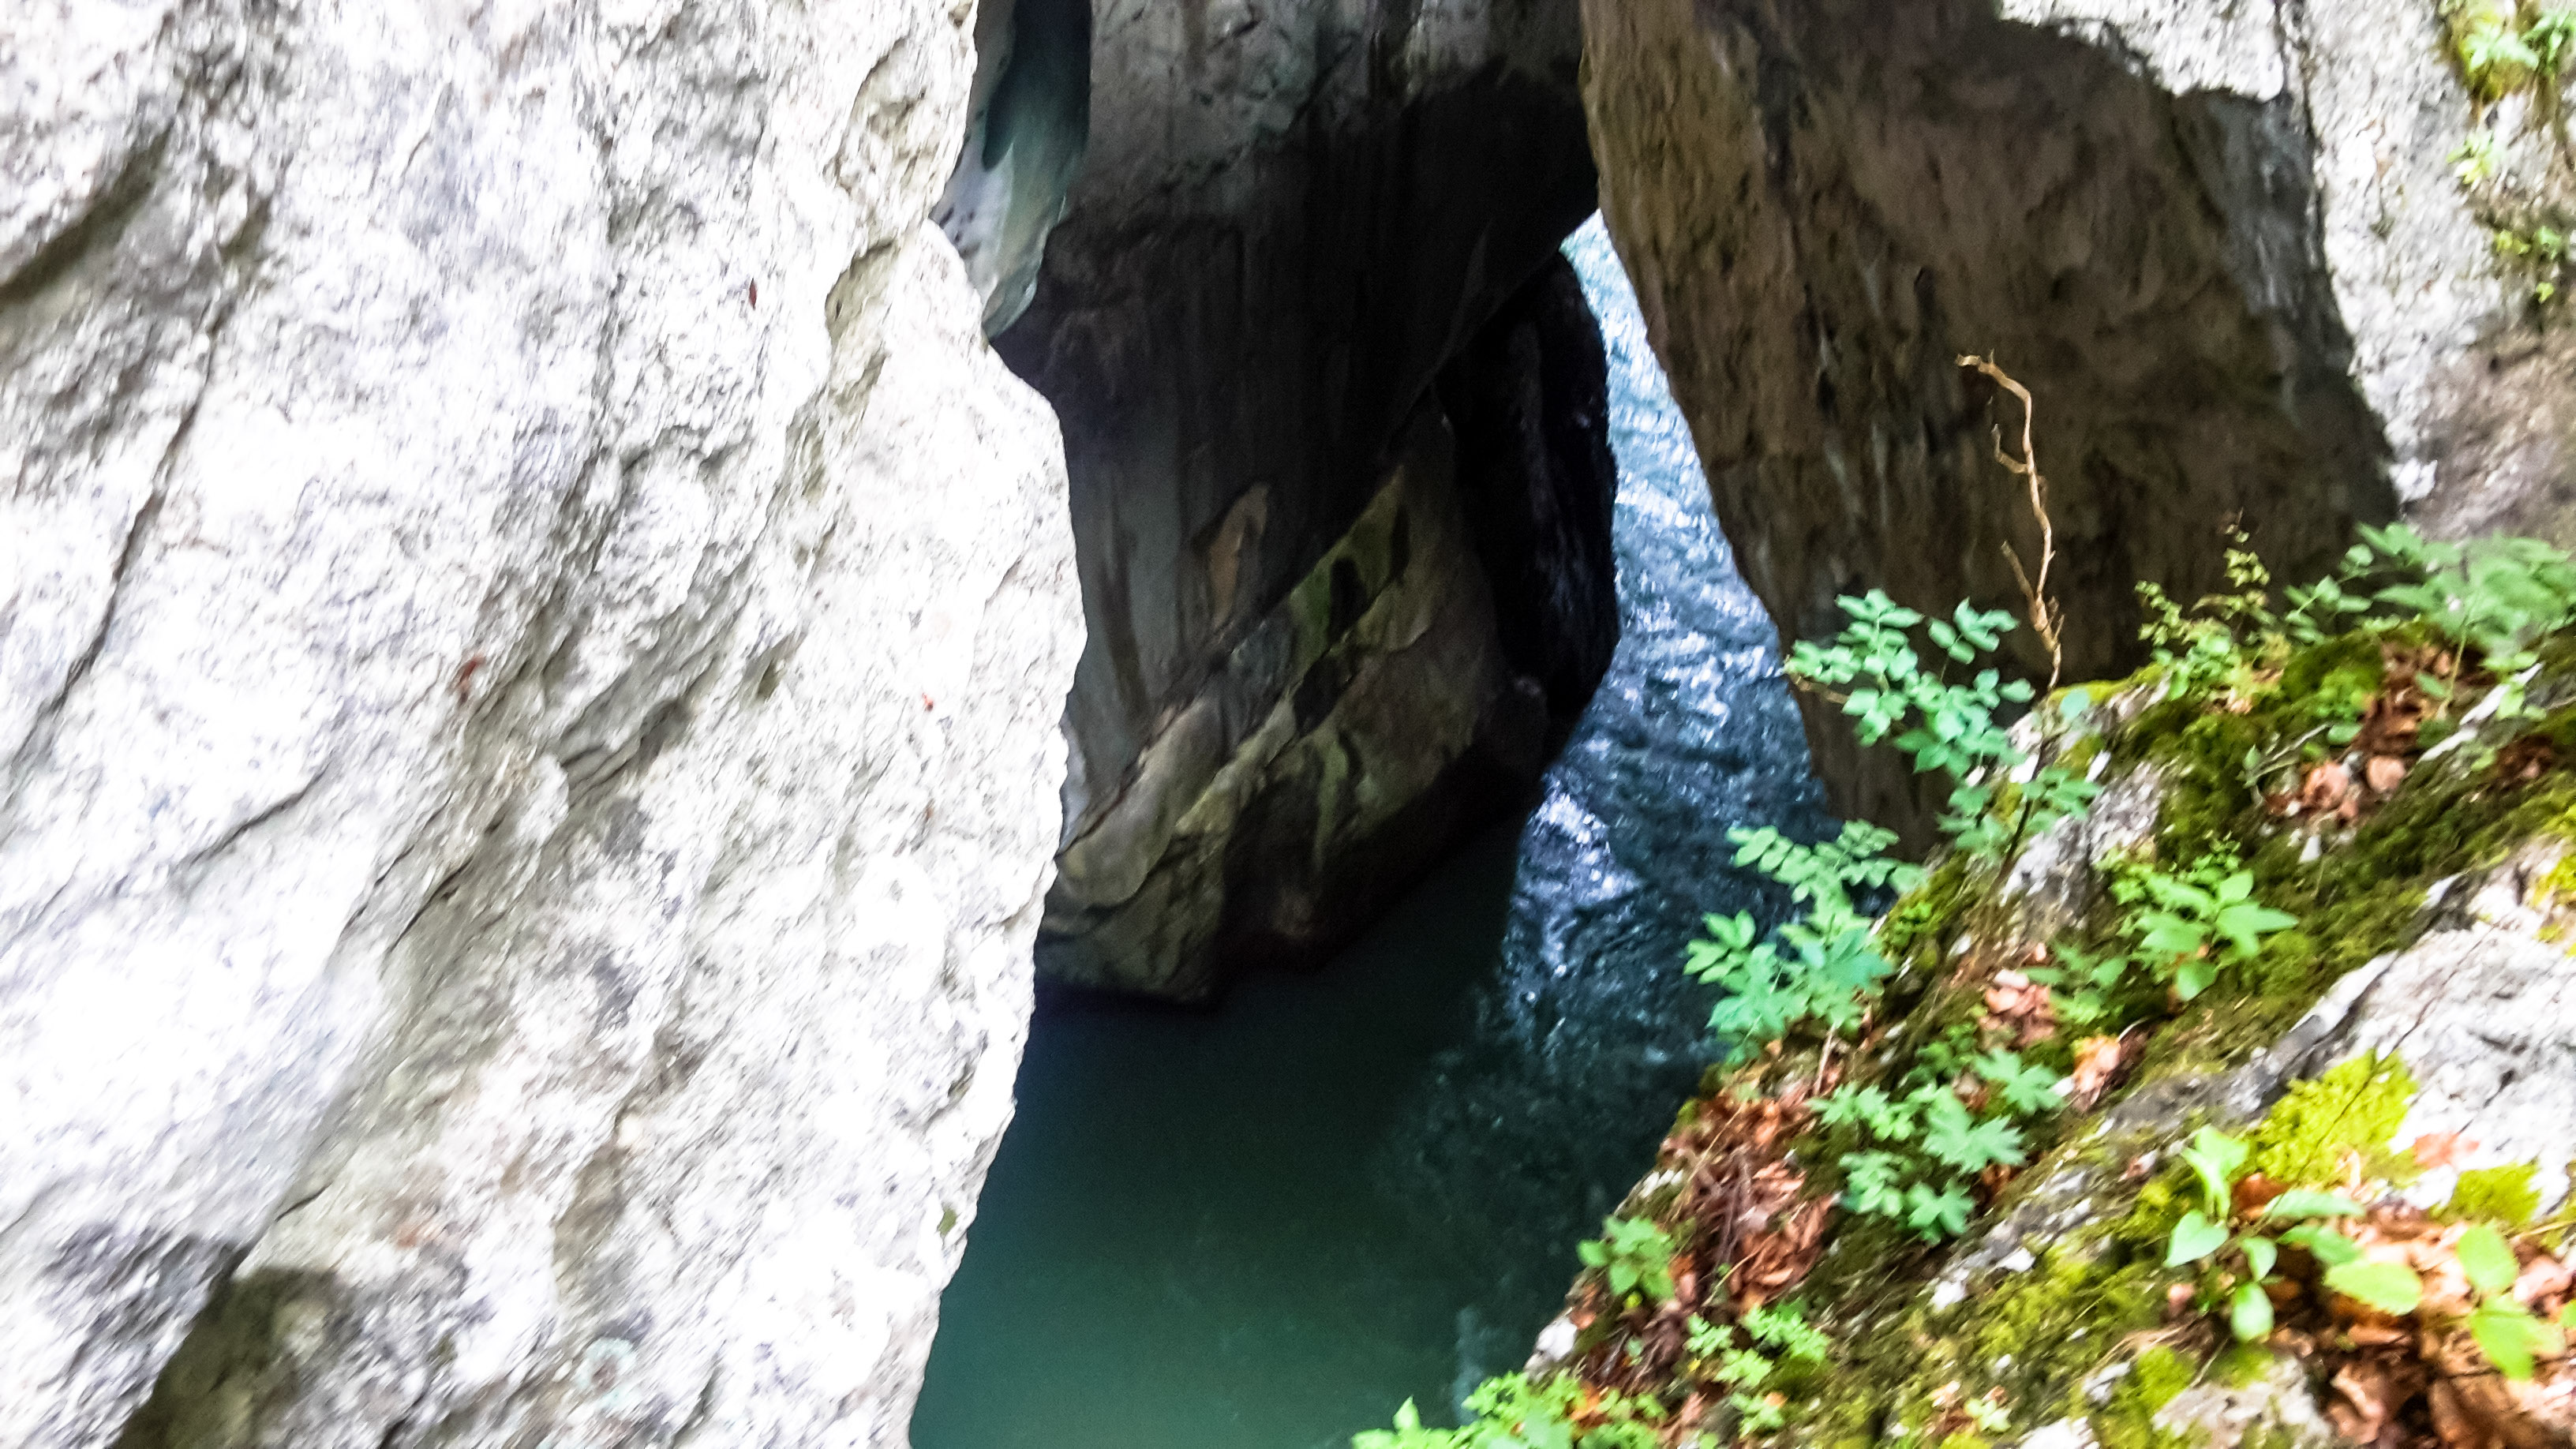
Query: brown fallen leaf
2022	1006
2098	1060
2254	1192
2384	773
2324	787
2526	759
2363	1401
2440	1149
2544	1285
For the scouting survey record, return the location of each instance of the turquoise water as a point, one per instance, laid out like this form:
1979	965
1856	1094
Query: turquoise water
1265	1226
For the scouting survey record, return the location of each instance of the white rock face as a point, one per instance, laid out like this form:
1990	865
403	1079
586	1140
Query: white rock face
531	636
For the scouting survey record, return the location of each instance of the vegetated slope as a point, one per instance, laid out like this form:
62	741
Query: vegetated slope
2211	1085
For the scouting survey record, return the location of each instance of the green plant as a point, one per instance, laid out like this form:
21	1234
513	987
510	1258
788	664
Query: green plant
1930	1144
2176	920
2496	596
2079	985
2504	1330
2477	158
1740	1365
2540	250
2218	642
1515	1412
1635	1255
1943	726
1830	967
2487	39
2204	1232
2552	39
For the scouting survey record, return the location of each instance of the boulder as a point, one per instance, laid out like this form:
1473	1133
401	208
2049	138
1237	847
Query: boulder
1294	215
531	634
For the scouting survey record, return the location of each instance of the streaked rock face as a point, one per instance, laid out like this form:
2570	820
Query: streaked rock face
531	635
2224	248
1294	214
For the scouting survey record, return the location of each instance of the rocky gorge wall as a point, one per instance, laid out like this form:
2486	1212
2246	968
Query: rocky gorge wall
532	630
2224	245
1311	566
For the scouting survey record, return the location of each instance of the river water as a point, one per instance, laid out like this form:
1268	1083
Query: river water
1266	1226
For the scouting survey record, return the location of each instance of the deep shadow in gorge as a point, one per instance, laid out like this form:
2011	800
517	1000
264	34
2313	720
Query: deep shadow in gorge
1300	686
1268	1224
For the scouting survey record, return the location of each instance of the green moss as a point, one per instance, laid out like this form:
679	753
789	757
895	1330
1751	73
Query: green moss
1924	914
2504	1195
2036	1334
2128	1421
2241	1365
2358	891
2312	1135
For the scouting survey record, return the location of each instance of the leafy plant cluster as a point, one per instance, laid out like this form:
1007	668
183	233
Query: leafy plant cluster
2539	249
1515	1411
2207	1232
2491	600
1635	1255
2238	1238
1742	1357
1942	725
1825	967
2503	47
1929	1145
2184	926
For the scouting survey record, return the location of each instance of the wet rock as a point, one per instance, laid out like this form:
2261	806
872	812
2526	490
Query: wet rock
531	632
1294	215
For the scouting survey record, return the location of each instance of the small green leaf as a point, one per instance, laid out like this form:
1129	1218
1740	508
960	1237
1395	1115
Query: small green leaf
2260	1255
2215	1159
2511	1338
2194	1238
2326	1245
2302	1202
2391	1288
2249	1314
2194	976
2487	1259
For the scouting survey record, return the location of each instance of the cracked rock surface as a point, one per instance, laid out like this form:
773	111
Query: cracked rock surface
531	635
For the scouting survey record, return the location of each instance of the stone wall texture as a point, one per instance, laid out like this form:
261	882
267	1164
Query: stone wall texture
2222	243
532	631
1294	214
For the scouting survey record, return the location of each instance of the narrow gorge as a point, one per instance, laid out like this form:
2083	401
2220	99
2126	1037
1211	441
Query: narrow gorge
695	692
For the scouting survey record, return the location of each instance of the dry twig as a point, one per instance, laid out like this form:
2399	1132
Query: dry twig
2044	620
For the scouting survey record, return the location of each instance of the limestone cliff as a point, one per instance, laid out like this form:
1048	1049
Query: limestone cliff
1294	215
531	634
2225	245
